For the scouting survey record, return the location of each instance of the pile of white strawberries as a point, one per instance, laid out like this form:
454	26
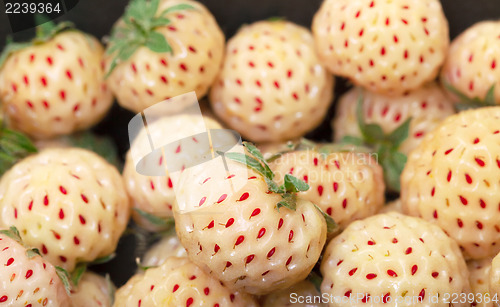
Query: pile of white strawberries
288	221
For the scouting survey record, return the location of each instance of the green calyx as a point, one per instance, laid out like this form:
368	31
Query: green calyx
466	102
46	30
166	223
386	146
138	29
14	146
288	190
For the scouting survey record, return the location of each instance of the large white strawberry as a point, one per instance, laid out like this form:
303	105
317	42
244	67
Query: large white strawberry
451	179
345	185
69	203
243	228
393	260
427	106
385	46
54	85
178	282
153	196
471	70
272	86
26	279
93	290
161	49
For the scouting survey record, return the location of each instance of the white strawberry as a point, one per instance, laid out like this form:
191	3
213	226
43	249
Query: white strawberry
179	50
154	195
272	86
479	281
69	203
54	86
427	106
387	47
386	258
451	179
178	282
93	290
471	69
232	226
168	246
345	185
304	292
26	279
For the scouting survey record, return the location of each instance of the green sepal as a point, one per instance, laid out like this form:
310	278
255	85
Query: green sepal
385	145
32	252
331	225
293	184
77	273
12	233
466	102
288	201
14	146
101	145
156	220
65	278
138	29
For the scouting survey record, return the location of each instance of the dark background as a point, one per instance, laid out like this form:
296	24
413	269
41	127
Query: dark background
97	16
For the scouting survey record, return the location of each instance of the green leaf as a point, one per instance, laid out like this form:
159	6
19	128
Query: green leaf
77	273
158	43
276	18
247	160
373	133
14	146
12	233
32	252
469	103
45	26
288	201
293	184
155	220
400	134
178	7
331	226
65	278
151	8
273	186
460	95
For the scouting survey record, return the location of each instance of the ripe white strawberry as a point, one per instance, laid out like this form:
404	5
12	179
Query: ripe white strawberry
92	290
272	86
240	234
55	87
346	185
168	246
394	205
304	291
427	106
388	47
451	179
178	282
389	257
479	271
472	63
26	279
174	56
69	203
155	194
